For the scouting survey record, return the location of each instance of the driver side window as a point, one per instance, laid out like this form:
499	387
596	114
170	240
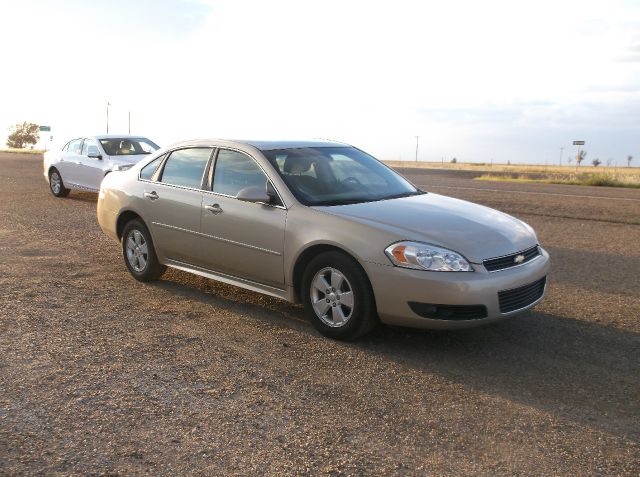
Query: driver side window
234	171
89	147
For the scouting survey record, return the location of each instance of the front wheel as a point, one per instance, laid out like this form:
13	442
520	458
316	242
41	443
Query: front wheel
139	254
56	185
337	297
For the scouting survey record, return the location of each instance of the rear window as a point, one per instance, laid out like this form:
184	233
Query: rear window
147	171
185	167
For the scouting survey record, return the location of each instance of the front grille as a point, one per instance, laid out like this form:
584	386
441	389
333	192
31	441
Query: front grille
449	312
508	261
517	298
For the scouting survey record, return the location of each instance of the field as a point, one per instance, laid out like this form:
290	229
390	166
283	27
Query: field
515	168
103	375
569	175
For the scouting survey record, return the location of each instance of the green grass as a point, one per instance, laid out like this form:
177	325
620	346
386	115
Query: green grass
589	179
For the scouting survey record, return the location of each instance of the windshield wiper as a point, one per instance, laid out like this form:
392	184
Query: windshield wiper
341	201
401	195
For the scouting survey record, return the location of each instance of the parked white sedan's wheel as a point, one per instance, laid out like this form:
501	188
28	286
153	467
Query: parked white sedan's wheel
56	185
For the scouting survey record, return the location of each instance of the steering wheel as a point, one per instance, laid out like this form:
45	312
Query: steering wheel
351	180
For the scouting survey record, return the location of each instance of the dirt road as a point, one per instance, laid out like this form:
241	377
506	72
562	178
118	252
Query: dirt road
102	375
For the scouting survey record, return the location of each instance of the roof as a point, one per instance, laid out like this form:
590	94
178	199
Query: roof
269	145
116	136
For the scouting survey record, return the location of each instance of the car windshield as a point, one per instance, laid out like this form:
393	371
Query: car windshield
126	146
337	176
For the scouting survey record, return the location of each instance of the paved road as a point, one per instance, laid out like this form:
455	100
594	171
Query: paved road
102	375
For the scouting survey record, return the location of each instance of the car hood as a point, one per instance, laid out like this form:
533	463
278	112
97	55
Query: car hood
128	159
473	230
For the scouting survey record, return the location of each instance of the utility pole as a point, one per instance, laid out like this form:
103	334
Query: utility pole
561	149
129	122
108	104
417	139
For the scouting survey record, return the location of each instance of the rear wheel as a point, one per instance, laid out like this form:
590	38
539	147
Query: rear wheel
337	296
56	185
139	254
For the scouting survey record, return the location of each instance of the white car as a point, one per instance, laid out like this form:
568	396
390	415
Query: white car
83	162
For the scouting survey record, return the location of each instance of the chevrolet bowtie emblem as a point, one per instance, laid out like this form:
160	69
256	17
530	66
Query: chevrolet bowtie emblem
518	259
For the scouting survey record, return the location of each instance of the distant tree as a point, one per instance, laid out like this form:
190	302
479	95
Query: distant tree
629	159
609	161
23	134
596	162
454	160
580	157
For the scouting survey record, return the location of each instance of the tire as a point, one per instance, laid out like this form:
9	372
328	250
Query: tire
138	252
56	185
337	297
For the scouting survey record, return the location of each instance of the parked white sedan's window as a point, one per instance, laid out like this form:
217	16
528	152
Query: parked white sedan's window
185	167
127	146
235	171
75	146
89	147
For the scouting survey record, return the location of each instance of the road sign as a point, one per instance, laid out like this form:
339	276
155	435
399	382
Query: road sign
45	128
578	143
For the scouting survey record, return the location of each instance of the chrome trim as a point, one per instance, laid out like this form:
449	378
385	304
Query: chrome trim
73	185
171	185
515	266
212	162
228	148
219	194
233	242
510	254
230	279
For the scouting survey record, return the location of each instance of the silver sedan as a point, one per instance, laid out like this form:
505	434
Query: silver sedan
83	162
327	225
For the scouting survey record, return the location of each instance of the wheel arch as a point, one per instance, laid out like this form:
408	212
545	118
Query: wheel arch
123	218
307	255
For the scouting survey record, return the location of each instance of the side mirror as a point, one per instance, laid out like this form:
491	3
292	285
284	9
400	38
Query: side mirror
94	154
253	194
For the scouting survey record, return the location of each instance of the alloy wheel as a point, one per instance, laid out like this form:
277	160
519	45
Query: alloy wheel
332	297
137	250
56	183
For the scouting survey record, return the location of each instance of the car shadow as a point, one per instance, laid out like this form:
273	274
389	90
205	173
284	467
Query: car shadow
577	370
83	196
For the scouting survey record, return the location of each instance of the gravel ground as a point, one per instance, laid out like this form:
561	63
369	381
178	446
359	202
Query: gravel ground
102	375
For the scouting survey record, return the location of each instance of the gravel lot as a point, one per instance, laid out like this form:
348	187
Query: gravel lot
102	375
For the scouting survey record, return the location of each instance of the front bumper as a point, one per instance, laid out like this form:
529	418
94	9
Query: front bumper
394	288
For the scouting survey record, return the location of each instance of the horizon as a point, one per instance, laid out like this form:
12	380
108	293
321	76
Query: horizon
486	83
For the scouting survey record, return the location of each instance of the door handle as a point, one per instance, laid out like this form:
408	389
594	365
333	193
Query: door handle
214	208
151	195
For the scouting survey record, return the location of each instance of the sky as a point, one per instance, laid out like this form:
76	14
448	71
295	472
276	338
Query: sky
480	81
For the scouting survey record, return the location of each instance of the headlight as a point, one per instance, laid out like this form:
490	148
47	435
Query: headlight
123	167
423	256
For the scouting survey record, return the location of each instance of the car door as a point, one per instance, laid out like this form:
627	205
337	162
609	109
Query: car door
242	239
172	200
92	165
69	163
